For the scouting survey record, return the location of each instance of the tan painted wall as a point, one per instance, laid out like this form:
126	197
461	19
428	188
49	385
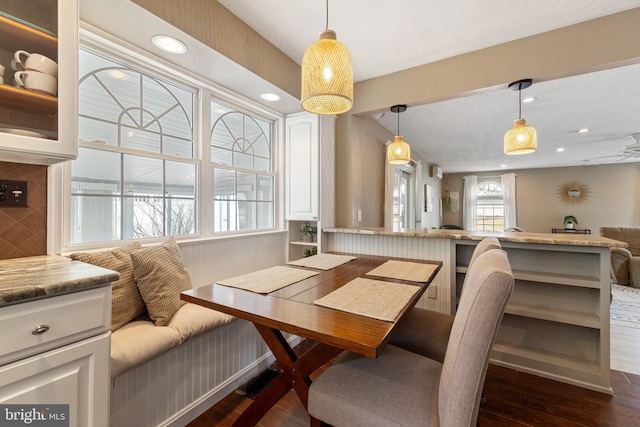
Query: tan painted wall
614	196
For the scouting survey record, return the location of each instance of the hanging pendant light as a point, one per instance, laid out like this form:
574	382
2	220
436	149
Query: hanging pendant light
522	139
398	152
327	76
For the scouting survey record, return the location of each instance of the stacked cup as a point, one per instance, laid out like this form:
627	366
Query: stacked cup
40	73
1	75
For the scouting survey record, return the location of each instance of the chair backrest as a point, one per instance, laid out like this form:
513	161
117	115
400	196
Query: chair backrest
485	245
482	305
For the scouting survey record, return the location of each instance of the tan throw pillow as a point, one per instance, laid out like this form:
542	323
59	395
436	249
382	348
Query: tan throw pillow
126	302
161	275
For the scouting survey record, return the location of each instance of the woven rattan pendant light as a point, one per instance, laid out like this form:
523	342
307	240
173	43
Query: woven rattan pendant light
398	152
327	76
522	139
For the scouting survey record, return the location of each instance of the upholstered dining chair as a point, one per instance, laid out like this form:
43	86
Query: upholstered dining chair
401	388
426	332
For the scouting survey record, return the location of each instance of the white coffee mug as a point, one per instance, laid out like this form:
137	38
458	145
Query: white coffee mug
1	80
36	62
1	70
37	82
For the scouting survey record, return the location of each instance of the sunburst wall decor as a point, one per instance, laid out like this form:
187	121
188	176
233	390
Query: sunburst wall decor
573	193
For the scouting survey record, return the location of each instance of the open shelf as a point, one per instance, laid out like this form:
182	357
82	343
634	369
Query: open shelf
589	320
16	36
303	243
21	99
555	278
506	352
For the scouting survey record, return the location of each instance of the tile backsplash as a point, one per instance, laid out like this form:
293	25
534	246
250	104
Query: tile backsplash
23	231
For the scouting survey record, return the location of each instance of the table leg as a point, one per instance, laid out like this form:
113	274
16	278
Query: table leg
296	371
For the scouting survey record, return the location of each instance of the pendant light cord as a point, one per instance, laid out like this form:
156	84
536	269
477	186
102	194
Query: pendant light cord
327	26
519	101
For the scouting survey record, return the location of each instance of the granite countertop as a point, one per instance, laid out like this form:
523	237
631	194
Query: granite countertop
516	237
25	279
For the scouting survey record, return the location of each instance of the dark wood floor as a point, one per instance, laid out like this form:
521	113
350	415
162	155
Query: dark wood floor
512	399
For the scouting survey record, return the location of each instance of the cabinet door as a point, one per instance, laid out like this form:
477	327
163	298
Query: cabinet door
37	127
76	375
302	186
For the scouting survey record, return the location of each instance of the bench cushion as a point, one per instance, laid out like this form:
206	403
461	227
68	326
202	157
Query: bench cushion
138	342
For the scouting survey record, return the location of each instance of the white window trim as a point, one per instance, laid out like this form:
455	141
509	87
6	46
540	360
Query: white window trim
59	181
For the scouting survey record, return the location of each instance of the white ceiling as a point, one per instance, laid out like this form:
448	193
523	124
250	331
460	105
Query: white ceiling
464	134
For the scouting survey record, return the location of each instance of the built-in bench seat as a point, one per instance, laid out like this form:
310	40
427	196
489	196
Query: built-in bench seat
170	360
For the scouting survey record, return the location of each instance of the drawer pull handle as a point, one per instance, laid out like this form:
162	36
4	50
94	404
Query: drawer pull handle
40	329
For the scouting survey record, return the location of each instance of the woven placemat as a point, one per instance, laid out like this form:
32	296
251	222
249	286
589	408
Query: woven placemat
323	261
404	270
371	298
268	280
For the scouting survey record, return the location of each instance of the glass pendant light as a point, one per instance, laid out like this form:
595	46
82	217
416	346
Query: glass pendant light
327	76
398	152
522	139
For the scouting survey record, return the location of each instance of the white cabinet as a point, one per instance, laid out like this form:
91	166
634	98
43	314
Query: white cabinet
56	351
556	323
310	177
35	127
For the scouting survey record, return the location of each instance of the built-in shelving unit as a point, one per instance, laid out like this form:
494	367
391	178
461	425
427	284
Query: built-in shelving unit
556	323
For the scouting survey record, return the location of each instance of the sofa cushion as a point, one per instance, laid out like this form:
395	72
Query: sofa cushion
161	275
192	320
127	304
137	342
630	235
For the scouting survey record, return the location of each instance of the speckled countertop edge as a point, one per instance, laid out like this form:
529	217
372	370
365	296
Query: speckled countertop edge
30	278
516	237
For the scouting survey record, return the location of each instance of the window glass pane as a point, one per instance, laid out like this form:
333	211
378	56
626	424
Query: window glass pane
181	217
95	219
224	215
265	214
246	215
265	188
147	215
142	176
246	186
180	179
224	184
93	130
99	173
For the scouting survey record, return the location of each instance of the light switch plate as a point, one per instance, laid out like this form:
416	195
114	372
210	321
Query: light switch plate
13	193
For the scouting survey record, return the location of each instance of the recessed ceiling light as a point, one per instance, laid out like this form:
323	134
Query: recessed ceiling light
559	149
584	130
503	166
529	99
220	111
169	44
270	96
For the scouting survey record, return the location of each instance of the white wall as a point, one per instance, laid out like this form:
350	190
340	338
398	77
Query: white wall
614	196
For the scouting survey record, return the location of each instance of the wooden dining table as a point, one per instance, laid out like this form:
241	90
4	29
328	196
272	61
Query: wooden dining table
291	310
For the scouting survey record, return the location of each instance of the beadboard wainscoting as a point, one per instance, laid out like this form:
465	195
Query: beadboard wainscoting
406	247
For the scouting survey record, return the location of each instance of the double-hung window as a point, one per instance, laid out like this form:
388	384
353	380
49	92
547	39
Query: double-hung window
243	172
136	172
490	207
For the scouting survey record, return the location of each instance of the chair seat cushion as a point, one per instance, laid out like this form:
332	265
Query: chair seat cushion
360	391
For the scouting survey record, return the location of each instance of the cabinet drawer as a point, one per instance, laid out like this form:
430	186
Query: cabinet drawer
66	318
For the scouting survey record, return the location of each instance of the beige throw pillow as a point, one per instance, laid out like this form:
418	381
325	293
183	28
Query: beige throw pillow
126	302
161	275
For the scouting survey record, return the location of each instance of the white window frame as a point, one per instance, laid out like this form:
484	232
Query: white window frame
483	199
59	175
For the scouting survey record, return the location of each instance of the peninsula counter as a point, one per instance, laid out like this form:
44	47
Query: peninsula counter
556	324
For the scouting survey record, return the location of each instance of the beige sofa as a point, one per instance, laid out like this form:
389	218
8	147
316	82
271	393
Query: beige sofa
625	263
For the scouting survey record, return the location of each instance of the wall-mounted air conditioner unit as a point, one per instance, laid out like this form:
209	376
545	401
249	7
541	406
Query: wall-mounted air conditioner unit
436	172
